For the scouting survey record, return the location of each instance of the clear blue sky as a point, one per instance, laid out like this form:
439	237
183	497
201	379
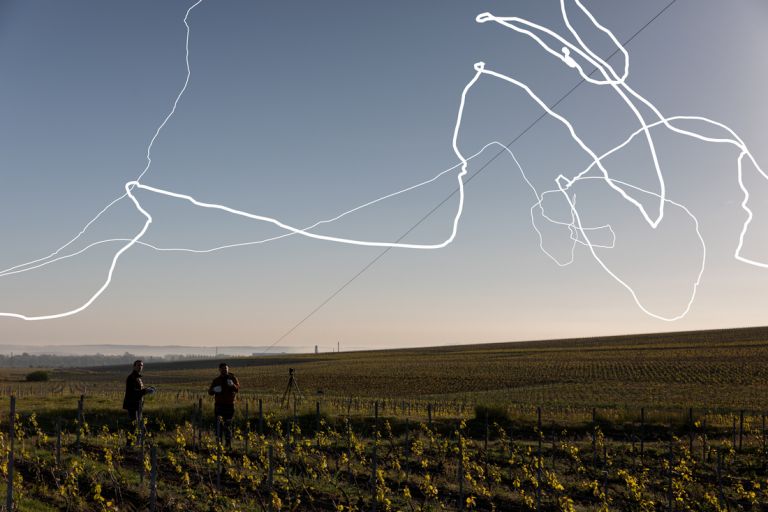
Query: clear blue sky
301	110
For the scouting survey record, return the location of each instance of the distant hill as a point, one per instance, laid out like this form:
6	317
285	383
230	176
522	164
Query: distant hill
724	369
188	357
80	356
734	335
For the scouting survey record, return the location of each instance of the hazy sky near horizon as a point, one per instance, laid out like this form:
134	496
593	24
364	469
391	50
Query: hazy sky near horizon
302	110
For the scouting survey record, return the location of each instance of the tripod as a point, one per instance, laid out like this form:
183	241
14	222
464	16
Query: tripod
291	390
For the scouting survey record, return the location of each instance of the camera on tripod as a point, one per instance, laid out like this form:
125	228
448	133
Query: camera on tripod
291	390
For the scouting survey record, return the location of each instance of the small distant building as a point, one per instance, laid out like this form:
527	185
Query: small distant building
315	349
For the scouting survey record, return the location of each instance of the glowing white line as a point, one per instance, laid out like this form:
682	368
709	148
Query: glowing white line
603	64
40	263
178	96
622	282
144	171
127	246
622	82
287	227
564	56
109	273
615	84
576	228
619	85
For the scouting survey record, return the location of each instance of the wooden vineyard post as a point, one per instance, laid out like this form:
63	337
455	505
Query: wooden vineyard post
374	476
720	478
142	467
199	422
11	438
642	435
704	450
485	443
408	446
594	439
554	444
349	449
461	473
58	443
293	423
669	484
511	451
140	425
261	417
153	479
247	429
79	422
605	470
219	449
690	431
193	424
271	469
741	427
538	461
193	421
429	414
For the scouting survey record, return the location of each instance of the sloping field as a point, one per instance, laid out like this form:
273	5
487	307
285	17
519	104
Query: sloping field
716	370
409	417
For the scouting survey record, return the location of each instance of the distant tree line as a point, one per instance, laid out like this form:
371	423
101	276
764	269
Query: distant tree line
25	360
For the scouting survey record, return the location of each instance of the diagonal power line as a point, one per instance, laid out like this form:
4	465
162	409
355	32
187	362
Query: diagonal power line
466	182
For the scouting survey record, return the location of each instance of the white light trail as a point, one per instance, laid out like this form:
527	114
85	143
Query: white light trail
50	258
579	234
619	85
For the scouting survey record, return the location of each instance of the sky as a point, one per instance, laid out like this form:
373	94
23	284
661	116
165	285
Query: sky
299	111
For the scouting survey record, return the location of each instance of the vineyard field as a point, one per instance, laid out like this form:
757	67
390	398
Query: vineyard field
646	423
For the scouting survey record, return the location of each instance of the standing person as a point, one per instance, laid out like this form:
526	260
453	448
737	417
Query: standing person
134	396
224	388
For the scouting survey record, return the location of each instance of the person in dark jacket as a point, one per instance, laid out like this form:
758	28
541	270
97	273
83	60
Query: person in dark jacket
134	395
224	388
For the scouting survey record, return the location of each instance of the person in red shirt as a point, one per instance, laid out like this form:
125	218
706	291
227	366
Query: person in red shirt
224	388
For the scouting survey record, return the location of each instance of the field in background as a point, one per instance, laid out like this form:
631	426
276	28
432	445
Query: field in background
711	370
656	422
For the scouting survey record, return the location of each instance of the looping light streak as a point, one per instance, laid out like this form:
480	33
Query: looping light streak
579	234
